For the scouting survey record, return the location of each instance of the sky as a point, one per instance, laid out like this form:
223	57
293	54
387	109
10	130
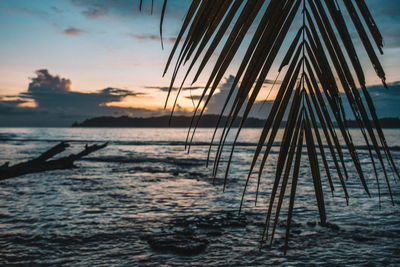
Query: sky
69	60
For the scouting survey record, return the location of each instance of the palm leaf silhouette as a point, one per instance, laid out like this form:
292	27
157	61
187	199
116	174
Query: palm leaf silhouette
320	63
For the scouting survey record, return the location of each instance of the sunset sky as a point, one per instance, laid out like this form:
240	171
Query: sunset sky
106	57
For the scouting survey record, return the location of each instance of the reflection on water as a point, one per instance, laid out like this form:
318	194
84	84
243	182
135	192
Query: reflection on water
145	184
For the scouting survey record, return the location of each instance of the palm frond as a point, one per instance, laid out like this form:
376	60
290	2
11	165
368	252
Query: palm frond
321	70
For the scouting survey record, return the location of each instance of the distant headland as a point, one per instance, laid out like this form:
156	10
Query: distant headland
207	121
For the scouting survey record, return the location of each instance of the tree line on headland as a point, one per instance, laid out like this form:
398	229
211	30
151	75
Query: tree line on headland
205	122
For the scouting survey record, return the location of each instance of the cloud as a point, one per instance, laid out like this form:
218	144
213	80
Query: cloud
193	97
267	81
12	103
385	100
216	103
72	31
58	105
45	82
94	13
389	9
25	10
166	89
387	18
95	9
74	102
387	15
155	38
9	112
57	10
52	92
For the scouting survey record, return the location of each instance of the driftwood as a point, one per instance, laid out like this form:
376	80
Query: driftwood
42	163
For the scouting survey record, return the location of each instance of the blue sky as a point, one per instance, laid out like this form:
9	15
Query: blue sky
93	51
99	44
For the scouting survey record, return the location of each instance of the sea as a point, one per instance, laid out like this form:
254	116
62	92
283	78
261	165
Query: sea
145	201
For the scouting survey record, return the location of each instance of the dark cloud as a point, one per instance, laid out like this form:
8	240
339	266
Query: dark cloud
24	10
45	82
392	12
386	101
94	13
391	37
155	38
57	10
387	17
387	9
12	103
259	110
118	92
9	110
58	105
72	31
95	9
267	81
193	97
216	103
166	89
52	92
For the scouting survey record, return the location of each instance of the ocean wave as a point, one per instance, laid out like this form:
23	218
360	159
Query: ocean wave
7	138
186	162
39	239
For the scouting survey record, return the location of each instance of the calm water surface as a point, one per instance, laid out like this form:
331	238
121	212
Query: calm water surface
144	183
